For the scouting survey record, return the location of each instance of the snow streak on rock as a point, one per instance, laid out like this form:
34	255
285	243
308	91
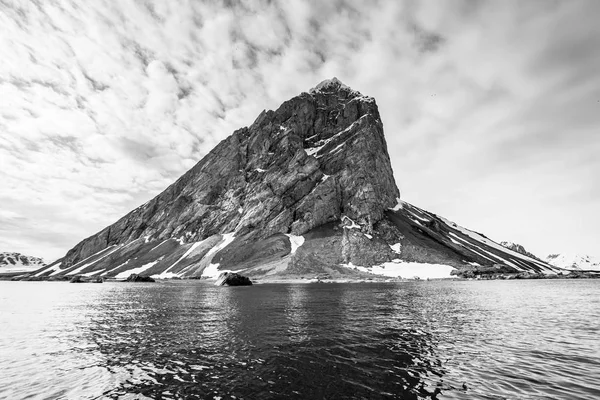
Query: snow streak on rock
295	242
138	270
212	271
408	270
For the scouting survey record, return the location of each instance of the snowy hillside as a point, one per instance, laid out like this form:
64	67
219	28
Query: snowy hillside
17	262
574	262
475	248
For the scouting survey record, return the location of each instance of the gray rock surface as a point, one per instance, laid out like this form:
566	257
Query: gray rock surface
319	156
519	249
306	190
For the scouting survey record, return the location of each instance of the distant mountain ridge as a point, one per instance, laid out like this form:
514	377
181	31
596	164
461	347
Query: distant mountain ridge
306	189
13	262
574	262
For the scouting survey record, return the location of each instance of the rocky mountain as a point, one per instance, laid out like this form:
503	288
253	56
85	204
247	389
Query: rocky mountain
306	189
574	262
17	262
519	249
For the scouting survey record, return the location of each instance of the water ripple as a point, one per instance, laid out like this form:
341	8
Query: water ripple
421	340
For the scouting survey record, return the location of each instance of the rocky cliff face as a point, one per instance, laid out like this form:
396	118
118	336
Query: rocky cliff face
321	155
305	189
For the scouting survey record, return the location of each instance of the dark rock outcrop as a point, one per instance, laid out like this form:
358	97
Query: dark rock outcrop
139	278
84	279
232	279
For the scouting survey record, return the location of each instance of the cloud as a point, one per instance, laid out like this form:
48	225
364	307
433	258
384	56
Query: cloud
490	108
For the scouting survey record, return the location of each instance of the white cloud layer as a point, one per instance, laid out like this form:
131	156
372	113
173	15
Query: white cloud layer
491	109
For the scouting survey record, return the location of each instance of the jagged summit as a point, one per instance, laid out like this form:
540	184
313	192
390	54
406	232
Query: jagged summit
330	85
307	188
335	85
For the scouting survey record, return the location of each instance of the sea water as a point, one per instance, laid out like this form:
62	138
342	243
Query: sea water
405	340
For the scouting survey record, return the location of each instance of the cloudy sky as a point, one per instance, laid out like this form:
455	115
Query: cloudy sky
491	108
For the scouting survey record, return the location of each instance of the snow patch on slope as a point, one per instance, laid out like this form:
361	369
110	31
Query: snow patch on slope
139	270
84	266
477	237
311	151
295	242
51	268
353	225
497	258
407	270
212	271
115	268
164	241
399	205
227	239
166	274
99	272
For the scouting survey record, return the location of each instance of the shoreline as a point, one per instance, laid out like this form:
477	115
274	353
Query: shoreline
351	279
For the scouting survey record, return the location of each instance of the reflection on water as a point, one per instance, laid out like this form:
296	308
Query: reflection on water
188	339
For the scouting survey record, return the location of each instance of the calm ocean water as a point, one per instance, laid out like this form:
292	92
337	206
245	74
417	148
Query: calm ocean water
189	339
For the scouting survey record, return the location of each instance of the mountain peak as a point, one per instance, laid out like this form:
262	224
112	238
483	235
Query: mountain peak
306	189
317	159
331	85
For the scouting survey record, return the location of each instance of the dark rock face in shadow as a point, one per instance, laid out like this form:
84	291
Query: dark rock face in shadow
139	278
232	279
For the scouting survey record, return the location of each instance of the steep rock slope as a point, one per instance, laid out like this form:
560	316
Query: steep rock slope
305	189
519	249
473	249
